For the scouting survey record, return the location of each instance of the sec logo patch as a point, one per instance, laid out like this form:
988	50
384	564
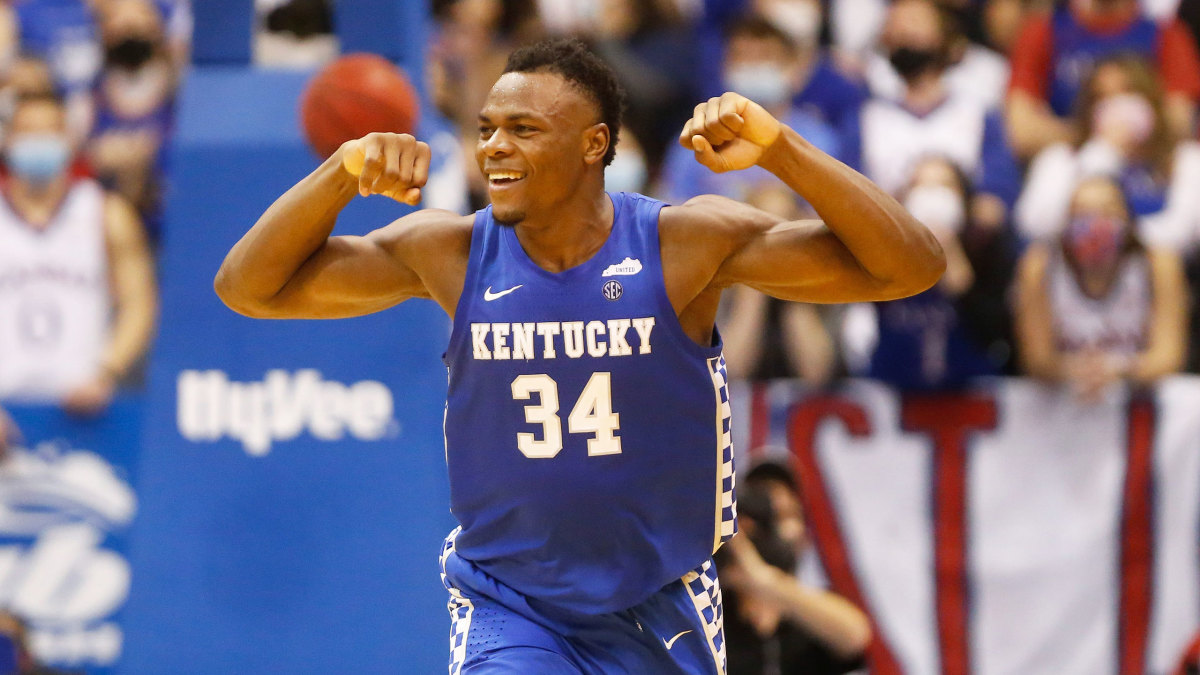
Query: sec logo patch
612	289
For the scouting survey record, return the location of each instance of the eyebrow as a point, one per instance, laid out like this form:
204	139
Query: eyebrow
512	117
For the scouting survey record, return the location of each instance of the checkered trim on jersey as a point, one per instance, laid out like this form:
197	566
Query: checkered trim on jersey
460	610
705	590
726	512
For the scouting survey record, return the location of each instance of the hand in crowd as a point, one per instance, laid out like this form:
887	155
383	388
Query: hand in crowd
92	397
1091	372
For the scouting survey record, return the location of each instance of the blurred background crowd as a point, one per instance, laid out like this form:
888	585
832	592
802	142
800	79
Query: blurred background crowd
1052	147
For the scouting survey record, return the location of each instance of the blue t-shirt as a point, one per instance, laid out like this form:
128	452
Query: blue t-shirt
923	345
1076	50
587	436
64	34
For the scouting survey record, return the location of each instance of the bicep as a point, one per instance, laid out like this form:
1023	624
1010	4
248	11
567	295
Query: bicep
347	276
802	261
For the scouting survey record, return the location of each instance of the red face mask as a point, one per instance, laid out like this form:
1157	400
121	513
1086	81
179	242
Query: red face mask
1094	240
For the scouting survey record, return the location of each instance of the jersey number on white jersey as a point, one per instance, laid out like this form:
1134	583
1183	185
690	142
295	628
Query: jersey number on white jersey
592	414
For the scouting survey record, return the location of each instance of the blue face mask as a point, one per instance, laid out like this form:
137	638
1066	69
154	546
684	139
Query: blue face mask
762	83
37	157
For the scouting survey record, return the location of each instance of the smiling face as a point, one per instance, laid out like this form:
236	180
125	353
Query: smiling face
540	142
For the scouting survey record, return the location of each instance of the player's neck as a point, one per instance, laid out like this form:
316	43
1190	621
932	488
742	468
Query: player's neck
570	234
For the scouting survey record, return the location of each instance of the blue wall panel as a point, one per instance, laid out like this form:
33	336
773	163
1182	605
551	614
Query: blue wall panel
263	544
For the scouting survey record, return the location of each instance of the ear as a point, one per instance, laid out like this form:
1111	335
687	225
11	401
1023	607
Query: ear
595	143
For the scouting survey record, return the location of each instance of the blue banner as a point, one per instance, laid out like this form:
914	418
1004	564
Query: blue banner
67	504
293	484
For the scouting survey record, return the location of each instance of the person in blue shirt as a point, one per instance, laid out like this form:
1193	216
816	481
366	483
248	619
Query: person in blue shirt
587	416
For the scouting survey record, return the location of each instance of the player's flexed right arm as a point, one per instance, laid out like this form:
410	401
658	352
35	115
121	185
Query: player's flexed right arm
288	266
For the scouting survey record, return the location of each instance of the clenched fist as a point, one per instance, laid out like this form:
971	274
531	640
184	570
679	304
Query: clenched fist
729	132
393	165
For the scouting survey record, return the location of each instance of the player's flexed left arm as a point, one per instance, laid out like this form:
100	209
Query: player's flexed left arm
865	247
288	265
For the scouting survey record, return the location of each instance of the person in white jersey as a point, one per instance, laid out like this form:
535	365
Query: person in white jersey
1096	306
77	292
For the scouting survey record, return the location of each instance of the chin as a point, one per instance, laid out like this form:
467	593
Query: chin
507	215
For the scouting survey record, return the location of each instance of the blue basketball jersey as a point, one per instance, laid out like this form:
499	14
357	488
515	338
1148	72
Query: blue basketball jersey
587	436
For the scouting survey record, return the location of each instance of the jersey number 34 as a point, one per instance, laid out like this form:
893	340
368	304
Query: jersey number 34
591	414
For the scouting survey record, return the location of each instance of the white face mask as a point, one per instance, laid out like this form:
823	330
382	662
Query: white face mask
800	19
1131	111
627	173
936	206
763	83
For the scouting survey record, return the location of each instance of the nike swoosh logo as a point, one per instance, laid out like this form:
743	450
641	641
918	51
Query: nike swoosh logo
489	296
671	643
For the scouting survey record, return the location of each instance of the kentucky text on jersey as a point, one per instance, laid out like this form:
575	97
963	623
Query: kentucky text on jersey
560	339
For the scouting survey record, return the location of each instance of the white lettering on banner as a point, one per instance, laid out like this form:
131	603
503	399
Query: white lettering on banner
56	509
577	339
280	407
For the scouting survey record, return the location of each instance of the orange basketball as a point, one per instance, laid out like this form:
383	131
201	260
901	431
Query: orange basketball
353	96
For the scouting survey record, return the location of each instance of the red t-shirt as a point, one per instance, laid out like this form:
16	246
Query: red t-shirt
1033	53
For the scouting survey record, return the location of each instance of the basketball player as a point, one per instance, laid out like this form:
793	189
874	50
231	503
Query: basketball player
587	420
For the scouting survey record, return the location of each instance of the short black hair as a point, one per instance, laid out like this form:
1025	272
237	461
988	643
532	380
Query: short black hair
768	471
571	59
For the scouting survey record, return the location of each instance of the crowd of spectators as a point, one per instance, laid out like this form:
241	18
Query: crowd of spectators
1052	147
87	93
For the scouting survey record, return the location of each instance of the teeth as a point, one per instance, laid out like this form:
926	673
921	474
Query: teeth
504	175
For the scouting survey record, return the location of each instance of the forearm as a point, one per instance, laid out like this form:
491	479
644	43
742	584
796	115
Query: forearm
1032	125
887	242
131	336
286	235
830	618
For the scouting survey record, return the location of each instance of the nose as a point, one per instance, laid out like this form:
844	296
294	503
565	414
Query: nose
497	145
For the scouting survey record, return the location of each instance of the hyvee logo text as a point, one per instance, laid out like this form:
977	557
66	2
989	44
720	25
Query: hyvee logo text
279	407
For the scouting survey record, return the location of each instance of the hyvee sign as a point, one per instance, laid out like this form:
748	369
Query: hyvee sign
280	407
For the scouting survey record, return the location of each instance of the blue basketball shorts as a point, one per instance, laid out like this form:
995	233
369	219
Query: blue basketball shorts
494	630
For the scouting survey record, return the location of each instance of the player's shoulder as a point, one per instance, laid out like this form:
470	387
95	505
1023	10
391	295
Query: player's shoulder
713	215
427	232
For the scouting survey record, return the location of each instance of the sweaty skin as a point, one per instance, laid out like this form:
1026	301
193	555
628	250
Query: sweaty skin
542	147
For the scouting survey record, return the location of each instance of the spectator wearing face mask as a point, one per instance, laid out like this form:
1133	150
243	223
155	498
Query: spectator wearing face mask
760	64
135	106
77	296
822	90
971	70
928	120
955	331
765	338
1096	306
1054	55
773	622
1124	134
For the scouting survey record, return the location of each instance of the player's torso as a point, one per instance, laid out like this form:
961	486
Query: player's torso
587	435
54	296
